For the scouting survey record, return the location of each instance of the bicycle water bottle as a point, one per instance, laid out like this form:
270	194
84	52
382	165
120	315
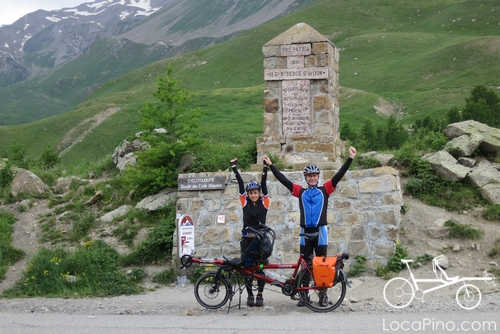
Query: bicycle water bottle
274	275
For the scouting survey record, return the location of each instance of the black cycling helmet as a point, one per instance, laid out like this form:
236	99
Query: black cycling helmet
311	169
253	186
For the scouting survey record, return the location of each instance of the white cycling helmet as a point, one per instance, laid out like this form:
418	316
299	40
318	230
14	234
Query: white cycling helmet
311	169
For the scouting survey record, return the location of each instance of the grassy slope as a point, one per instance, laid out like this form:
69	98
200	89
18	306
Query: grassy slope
422	55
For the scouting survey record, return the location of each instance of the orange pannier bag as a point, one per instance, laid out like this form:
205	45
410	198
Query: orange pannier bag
324	270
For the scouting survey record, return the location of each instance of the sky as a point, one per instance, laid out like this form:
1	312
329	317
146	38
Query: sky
11	10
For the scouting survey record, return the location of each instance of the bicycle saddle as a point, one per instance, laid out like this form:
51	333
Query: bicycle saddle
311	235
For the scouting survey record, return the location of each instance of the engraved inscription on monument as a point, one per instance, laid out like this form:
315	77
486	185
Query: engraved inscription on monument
294	62
296	73
295	49
296	107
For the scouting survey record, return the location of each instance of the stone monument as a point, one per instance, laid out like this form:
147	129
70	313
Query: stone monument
301	95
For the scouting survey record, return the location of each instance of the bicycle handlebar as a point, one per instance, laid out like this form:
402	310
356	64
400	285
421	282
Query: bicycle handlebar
262	228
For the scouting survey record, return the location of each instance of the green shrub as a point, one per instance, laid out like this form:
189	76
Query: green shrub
370	162
6	176
463	231
423	259
495	250
165	277
8	254
198	271
358	267
394	264
82	225
158	244
49	159
492	212
92	270
137	275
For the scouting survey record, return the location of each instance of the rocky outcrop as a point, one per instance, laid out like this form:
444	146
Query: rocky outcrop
118	213
124	154
383	159
466	138
157	201
489	137
446	166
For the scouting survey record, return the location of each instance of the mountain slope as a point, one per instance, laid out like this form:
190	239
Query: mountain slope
401	58
60	57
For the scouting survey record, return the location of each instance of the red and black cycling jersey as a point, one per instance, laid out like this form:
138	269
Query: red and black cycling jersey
313	201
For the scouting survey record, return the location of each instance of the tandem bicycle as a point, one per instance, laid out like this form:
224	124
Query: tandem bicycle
399	292
214	289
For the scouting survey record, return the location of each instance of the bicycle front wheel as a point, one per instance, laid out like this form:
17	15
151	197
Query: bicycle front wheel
212	290
398	292
468	296
321	299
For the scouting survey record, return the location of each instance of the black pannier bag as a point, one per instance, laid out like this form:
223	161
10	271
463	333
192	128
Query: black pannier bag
257	247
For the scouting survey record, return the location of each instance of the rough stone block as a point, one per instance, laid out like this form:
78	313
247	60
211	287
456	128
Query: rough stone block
385	170
271	105
311	61
392	233
321	102
353	218
350	192
387	217
270	62
271	51
358	232
384	250
320	47
384	183
196	205
358	248
322	130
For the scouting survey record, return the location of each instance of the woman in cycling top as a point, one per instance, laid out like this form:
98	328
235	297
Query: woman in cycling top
254	203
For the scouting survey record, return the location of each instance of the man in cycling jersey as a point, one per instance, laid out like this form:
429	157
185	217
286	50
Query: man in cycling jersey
313	202
254	205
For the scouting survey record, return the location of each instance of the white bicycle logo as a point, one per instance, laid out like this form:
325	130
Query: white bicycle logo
399	292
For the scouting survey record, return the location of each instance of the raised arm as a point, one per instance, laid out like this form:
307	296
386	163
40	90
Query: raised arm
238	176
263	180
341	172
282	178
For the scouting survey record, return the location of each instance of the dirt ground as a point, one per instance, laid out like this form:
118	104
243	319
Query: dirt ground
469	259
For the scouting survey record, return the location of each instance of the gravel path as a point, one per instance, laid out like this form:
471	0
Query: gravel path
365	296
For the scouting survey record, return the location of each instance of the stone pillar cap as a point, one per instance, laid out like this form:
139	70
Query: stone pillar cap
299	33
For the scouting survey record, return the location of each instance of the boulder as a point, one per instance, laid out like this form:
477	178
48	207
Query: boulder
28	183
467	162
384	159
482	174
127	159
464	145
118	213
123	154
185	164
63	184
491	136
157	201
446	166
491	192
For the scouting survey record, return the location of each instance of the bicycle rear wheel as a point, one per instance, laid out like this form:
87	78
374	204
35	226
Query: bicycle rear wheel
321	299
212	291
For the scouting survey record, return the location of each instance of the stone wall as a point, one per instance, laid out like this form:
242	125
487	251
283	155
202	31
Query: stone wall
364	215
